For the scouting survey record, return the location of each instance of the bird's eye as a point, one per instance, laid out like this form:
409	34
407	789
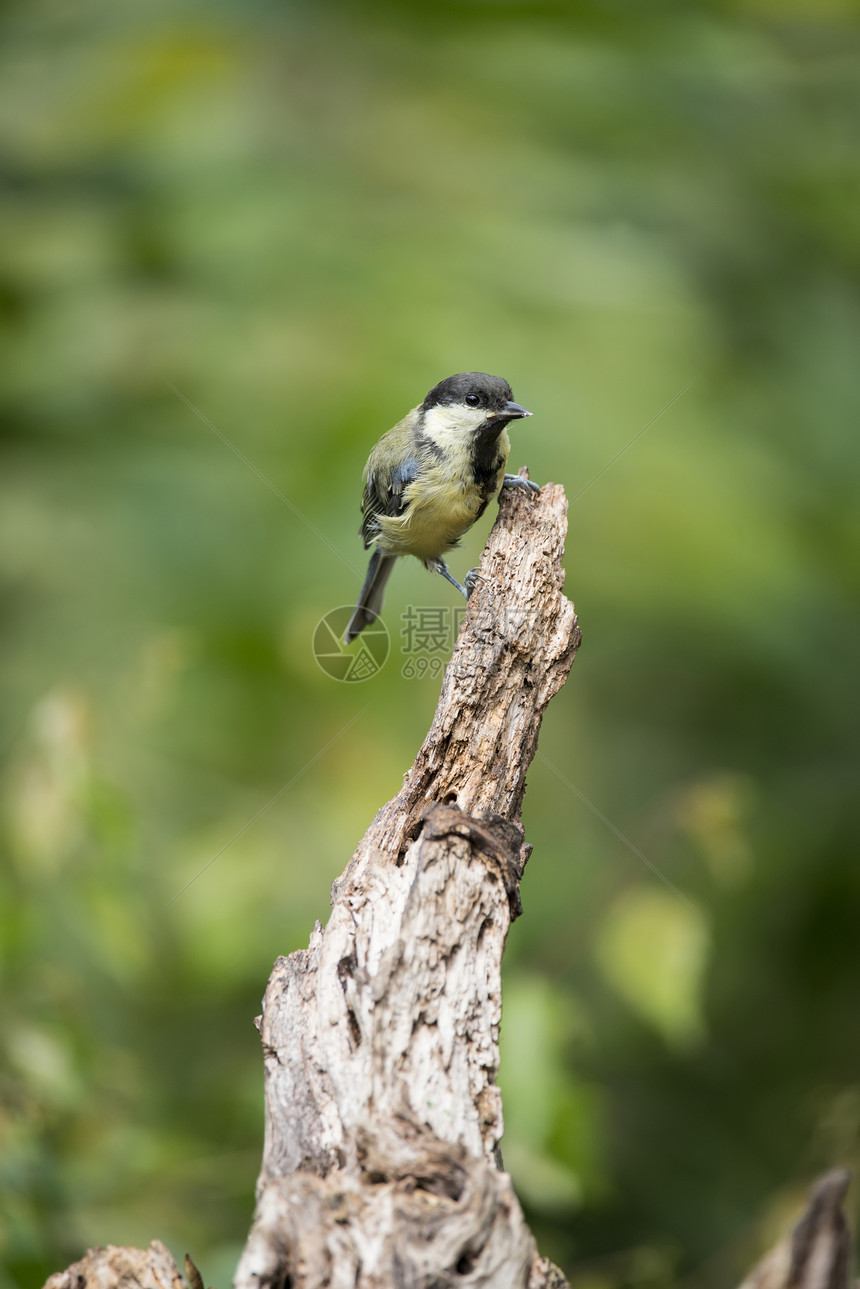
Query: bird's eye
473	400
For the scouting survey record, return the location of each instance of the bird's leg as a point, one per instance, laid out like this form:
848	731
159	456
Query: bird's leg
439	566
517	481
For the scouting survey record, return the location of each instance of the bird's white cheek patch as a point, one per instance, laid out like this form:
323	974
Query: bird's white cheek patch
448	426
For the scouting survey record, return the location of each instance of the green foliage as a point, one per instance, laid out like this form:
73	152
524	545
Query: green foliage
303	216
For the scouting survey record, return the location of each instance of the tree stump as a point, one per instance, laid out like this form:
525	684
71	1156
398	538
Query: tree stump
383	1119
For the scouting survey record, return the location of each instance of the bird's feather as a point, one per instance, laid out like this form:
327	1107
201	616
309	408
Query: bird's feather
384	487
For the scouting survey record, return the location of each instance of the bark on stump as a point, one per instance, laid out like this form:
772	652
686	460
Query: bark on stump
383	1119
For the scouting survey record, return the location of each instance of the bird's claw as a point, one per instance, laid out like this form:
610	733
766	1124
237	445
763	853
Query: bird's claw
517	481
471	580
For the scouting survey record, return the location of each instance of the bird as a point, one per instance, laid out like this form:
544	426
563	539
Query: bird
430	477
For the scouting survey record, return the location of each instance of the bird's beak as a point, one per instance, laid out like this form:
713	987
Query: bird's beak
513	411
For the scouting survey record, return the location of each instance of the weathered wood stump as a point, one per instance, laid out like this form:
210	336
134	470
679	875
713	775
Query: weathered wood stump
383	1119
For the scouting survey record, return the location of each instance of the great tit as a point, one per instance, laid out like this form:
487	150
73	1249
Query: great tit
430	477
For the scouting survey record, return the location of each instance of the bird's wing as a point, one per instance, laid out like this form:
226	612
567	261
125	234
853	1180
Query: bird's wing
389	472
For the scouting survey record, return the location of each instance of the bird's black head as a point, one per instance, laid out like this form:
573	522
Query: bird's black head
479	392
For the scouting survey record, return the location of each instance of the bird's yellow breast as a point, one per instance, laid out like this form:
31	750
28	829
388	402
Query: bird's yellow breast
440	505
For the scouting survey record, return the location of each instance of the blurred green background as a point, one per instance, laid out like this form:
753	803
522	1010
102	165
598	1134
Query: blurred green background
303	215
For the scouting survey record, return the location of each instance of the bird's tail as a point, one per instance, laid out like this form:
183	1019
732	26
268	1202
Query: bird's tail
370	600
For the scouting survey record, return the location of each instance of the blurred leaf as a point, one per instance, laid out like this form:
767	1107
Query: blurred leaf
653	949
